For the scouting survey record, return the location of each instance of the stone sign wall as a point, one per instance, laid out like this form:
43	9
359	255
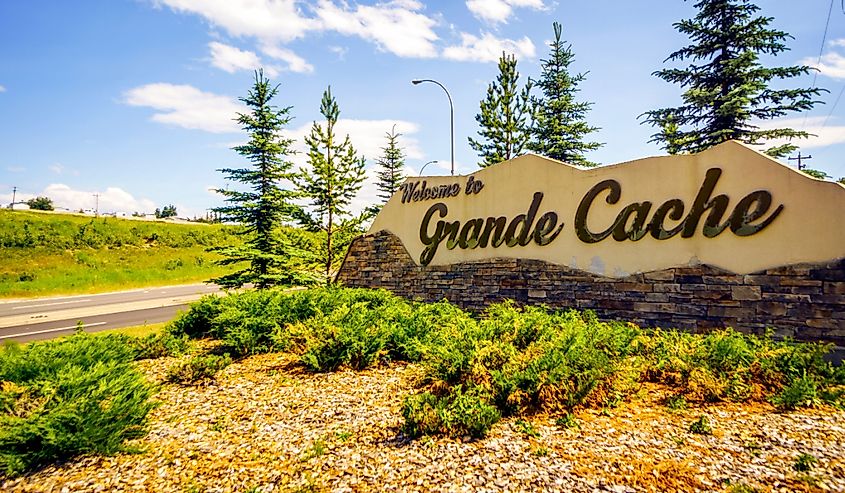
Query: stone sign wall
727	237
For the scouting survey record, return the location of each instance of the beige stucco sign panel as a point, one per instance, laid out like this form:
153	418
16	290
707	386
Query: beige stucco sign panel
730	207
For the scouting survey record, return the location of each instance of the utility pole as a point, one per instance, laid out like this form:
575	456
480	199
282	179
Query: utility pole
799	158
96	205
14	190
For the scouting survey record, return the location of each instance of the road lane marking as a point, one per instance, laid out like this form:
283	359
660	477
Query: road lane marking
200	287
77	313
49	304
84	326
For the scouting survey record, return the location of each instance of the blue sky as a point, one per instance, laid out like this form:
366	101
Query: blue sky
134	99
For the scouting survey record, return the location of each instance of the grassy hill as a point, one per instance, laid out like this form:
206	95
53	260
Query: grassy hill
49	253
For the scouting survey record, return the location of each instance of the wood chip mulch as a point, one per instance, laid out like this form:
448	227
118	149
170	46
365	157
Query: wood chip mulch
266	425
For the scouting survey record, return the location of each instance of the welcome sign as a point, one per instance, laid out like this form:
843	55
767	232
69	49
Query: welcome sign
730	207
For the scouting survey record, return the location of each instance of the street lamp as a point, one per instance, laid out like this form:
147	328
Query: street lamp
451	115
426	164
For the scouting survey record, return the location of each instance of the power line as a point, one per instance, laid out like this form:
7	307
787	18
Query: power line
819	59
834	104
824	38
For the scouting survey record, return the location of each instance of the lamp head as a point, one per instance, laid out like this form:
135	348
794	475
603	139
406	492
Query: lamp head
416	81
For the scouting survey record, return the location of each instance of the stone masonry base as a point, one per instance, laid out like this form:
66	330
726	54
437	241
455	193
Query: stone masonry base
805	301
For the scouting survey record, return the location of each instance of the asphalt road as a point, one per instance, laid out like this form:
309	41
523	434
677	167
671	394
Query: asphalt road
46	318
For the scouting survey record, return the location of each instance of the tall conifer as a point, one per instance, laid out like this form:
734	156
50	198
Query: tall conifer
560	126
727	88
392	161
264	205
334	178
504	118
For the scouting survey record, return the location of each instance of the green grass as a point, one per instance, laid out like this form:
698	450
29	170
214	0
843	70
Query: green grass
50	254
135	330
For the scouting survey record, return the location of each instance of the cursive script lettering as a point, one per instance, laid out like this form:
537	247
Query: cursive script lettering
632	222
475	233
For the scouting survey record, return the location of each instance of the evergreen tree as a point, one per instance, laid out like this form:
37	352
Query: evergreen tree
504	118
265	205
391	162
728	88
334	179
167	211
560	125
815	173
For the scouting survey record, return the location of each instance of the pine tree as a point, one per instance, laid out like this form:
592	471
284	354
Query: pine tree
335	176
729	88
504	118
560	125
392	161
263	207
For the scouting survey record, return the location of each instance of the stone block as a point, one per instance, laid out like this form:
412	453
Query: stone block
722	279
660	275
837	288
773	308
761	280
746	293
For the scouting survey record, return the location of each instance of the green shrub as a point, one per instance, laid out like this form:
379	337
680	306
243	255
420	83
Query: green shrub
197	368
701	426
805	463
199	319
801	392
350	335
457	413
154	346
62	398
520	359
676	402
567	420
526	428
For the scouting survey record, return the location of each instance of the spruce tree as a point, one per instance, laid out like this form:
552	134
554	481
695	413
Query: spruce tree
560	126
726	86
504	118
392	161
264	205
334	178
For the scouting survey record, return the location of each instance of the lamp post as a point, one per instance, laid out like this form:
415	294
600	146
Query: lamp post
426	164
451	115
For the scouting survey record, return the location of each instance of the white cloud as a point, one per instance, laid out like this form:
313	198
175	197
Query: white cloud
831	64
295	62
825	135
340	51
494	11
15	169
488	48
367	137
2	89
113	199
187	107
396	27
56	168
231	59
266	19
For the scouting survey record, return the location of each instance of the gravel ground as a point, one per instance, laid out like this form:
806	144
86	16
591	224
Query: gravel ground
265	425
